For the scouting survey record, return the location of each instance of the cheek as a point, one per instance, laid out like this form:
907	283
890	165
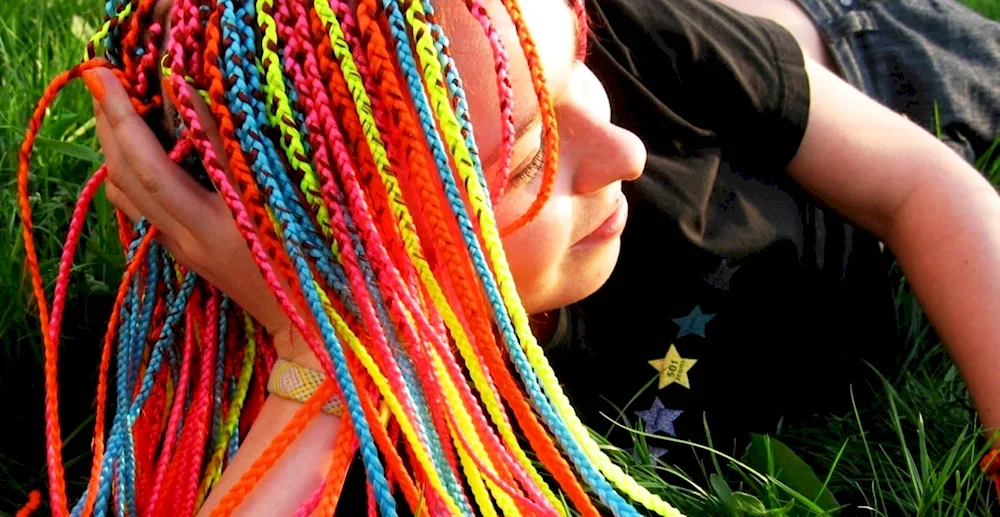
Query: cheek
536	252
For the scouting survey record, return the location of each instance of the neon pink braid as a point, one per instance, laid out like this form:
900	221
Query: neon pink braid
232	199
312	503
182	458
506	92
69	251
176	415
201	407
321	124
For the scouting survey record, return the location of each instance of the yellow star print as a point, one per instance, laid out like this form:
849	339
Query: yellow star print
673	368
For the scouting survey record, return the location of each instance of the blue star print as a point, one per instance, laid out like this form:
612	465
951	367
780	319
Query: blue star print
693	323
659	418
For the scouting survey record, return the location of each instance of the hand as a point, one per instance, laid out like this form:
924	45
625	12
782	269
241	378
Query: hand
195	224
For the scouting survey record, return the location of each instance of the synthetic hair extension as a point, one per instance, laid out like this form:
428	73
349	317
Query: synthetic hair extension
354	177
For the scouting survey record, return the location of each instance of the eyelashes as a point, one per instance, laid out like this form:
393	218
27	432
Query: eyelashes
529	171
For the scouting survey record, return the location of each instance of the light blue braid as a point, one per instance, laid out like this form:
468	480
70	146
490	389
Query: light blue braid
121	383
146	313
594	479
315	247
457	91
170	279
234	445
175	312
414	396
374	469
126	460
126	342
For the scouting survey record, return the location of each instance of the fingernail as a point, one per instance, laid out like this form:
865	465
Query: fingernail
94	84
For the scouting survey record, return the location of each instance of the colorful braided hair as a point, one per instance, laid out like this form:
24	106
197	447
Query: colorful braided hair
353	169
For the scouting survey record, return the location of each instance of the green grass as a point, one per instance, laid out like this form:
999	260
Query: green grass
38	40
988	8
912	452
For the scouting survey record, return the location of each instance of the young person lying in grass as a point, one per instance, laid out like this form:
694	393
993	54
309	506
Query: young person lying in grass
748	283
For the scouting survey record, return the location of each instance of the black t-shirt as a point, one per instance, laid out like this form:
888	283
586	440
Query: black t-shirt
738	299
767	299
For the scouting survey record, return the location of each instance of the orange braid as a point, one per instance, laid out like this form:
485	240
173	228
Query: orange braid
459	266
102	377
343	451
34	501
275	449
550	131
57	484
238	166
354	136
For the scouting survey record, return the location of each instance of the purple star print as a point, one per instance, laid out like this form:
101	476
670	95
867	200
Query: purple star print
659	418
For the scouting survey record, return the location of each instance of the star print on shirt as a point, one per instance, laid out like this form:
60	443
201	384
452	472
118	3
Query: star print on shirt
722	276
659	418
654	453
693	323
673	368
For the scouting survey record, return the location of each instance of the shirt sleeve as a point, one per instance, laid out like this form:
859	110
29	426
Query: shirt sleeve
740	77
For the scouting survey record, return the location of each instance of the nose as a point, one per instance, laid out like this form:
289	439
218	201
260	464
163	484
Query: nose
603	154
598	152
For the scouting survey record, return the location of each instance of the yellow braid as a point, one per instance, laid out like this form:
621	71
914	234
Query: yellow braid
279	114
419	450
412	241
214	468
480	202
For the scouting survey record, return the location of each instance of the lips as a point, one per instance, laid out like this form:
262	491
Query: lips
611	226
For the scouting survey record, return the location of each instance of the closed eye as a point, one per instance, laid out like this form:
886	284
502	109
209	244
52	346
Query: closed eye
529	171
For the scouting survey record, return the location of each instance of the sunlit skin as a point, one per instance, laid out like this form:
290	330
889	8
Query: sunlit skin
553	261
939	217
566	253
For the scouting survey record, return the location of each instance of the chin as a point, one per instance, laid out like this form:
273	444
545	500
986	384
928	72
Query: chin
577	279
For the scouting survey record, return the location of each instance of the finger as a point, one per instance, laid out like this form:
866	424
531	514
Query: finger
123	189
152	172
120	201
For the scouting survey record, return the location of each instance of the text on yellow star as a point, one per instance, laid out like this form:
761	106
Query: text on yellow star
673	368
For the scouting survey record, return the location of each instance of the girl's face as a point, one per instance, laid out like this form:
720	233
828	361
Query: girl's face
569	250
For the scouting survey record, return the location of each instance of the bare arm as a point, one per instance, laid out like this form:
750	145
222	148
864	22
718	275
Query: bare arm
197	228
294	478
938	215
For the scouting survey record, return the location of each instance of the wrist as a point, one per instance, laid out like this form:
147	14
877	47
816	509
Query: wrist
291	346
294	382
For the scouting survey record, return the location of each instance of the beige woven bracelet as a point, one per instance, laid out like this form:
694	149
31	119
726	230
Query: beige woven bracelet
295	382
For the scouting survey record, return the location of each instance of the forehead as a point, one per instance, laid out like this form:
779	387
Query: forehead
552	26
